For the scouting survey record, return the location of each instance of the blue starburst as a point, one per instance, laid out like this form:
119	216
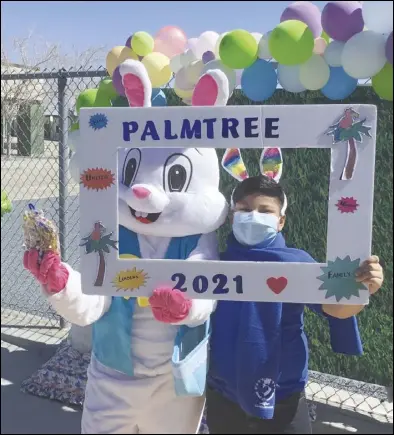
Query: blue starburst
339	279
98	121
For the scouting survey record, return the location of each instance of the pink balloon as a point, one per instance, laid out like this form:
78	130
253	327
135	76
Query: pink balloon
320	46
170	40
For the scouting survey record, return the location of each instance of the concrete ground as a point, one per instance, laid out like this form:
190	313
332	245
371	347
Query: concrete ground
25	350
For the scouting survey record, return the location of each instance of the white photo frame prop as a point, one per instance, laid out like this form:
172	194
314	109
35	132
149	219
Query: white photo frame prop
350	132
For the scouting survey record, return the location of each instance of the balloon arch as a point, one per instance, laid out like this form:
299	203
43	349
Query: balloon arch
330	51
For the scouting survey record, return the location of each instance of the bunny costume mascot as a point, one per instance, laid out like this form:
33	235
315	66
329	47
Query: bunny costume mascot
169	208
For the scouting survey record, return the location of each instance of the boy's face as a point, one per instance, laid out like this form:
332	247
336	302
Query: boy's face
261	204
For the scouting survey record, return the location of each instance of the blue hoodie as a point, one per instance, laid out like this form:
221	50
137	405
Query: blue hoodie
259	351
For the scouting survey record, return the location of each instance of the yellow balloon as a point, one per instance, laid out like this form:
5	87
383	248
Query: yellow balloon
142	43
184	94
158	67
118	55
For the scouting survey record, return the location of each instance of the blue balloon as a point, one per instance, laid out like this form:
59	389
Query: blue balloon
158	98
340	85
259	81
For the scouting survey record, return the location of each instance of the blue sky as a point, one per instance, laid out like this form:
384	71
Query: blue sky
83	24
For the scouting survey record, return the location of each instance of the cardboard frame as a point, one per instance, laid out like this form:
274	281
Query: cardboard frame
350	202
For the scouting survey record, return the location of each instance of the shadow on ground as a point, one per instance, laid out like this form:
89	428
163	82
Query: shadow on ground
26	414
22	413
331	420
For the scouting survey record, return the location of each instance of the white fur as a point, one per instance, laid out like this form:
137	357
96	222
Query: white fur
146	403
223	86
199	208
136	68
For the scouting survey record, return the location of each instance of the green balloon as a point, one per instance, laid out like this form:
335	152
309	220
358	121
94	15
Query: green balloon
382	83
102	99
238	49
120	101
107	88
325	37
75	126
291	43
86	98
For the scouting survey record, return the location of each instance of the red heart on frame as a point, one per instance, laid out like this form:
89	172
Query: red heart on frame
277	285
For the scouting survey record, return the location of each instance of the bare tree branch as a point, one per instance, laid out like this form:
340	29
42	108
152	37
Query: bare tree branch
34	55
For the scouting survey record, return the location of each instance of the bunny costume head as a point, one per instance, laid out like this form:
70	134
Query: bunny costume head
165	191
169	192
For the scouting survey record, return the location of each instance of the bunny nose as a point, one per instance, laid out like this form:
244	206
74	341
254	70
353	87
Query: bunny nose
140	192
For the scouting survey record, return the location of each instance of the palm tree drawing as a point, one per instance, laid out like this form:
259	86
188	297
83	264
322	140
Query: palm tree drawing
99	242
350	131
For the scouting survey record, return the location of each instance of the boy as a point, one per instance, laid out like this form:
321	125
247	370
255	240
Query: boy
259	351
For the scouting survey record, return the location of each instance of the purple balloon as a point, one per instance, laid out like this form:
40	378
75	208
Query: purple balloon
389	48
117	82
342	20
208	56
306	12
128	42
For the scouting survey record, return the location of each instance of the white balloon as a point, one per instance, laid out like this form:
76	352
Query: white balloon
176	63
193	71
314	73
192	45
230	73
187	57
217	45
364	54
264	51
257	36
378	16
333	53
182	80
238	73
206	42
289	78
73	168
73	138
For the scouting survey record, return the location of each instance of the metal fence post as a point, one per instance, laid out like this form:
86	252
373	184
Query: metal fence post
63	168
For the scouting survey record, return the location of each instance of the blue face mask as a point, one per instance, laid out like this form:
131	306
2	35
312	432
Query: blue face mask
253	228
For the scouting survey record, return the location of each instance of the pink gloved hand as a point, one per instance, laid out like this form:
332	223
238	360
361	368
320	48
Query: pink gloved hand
169	306
50	272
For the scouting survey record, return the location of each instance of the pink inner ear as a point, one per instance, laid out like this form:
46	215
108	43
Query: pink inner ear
134	90
206	92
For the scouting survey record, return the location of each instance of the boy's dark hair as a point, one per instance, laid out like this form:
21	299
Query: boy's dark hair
260	184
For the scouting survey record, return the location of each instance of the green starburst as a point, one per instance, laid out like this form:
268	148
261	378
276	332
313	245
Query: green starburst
339	279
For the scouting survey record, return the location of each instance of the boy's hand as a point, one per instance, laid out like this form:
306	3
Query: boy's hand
370	273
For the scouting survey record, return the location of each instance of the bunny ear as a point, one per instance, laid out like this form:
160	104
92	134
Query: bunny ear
233	163
212	89
271	163
136	82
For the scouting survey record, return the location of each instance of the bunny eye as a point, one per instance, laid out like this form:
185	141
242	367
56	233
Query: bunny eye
177	173
131	166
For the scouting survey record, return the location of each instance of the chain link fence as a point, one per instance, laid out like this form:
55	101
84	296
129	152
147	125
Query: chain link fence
37	110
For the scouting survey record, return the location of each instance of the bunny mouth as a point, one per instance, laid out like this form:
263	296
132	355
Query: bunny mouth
144	218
